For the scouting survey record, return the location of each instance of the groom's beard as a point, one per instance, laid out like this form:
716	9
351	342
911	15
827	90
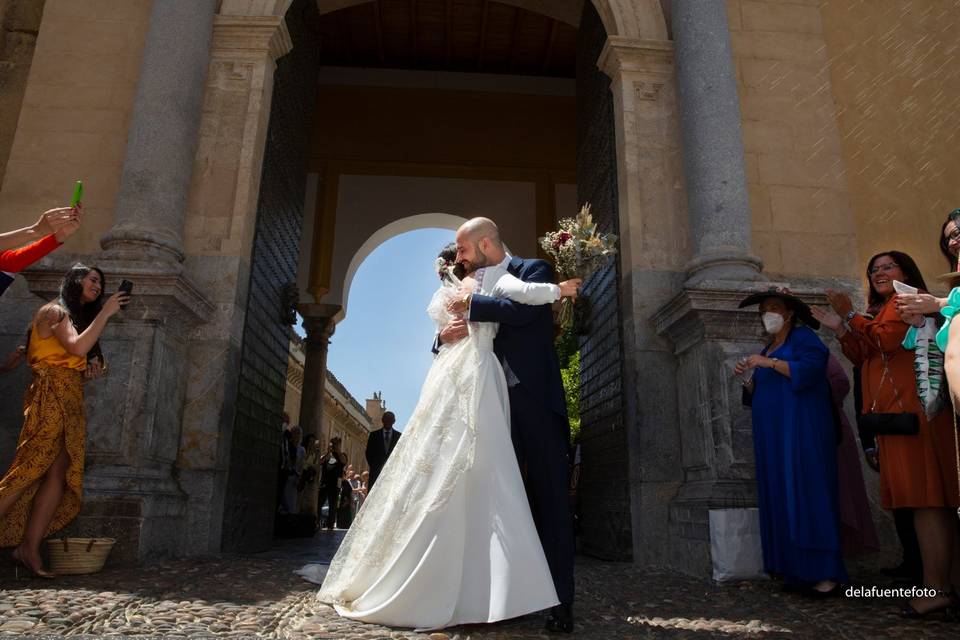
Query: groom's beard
482	261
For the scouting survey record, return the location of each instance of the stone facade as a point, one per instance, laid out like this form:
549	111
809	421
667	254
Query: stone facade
19	26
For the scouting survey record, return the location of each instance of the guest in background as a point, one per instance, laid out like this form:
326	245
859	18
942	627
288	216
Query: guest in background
795	447
43	488
923	303
309	477
296	455
332	465
916	471
380	445
21	248
345	506
357	485
284	470
857	532
364	487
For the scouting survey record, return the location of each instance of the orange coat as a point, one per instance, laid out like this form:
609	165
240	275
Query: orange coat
915	471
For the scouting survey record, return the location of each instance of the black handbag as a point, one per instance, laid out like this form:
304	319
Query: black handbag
890	424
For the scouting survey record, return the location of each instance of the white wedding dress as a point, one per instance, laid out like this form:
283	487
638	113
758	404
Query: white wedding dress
446	537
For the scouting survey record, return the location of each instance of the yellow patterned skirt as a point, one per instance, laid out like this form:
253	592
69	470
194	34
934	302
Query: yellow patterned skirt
53	414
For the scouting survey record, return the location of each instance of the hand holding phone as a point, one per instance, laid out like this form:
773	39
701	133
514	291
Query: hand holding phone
127	287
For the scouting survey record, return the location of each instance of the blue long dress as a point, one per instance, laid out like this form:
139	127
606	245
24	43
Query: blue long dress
794	440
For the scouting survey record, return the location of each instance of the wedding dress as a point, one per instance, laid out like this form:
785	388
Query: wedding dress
446	537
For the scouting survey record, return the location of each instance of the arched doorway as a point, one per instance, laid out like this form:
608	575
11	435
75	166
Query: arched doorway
421	105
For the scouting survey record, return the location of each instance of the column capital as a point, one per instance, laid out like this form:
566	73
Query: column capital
250	37
319	321
623	55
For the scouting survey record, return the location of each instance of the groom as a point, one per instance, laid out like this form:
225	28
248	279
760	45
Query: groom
538	408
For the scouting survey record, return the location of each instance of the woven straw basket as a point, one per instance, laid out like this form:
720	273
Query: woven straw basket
72	556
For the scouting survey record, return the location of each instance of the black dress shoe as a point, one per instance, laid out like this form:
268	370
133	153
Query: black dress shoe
560	619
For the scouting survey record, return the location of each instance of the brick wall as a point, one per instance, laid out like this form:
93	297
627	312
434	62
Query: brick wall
255	451
604	484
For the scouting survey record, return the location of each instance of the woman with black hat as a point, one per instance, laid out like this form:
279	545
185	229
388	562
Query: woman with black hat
794	438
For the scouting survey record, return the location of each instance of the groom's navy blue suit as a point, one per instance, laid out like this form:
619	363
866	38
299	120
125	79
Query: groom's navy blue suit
538	413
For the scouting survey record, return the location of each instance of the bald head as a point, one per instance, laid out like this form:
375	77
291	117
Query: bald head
476	229
479	244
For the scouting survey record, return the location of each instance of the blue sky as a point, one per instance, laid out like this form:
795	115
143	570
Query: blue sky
383	343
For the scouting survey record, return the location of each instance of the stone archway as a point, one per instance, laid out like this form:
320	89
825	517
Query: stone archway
411	223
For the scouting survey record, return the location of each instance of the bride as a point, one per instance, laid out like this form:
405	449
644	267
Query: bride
446	536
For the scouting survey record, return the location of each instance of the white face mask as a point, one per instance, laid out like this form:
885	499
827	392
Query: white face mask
772	322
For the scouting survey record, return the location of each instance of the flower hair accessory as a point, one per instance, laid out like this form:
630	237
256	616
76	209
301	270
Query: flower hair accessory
443	267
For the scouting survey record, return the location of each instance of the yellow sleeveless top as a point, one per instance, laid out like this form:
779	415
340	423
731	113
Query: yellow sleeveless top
50	352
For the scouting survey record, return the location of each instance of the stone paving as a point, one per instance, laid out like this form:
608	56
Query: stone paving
259	596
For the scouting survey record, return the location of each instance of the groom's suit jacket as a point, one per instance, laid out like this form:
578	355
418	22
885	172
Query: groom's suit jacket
524	341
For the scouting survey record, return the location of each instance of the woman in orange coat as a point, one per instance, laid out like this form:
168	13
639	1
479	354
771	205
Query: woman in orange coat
42	490
916	471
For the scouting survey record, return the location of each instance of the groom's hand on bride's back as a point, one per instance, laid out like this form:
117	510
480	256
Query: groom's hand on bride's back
454	332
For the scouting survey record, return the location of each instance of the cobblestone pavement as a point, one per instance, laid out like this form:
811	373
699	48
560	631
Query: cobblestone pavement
259	596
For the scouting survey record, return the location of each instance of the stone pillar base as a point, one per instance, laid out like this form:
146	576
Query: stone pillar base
146	526
690	520
132	491
709	334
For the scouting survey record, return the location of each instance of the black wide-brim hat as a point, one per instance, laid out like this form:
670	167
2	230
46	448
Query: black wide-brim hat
800	308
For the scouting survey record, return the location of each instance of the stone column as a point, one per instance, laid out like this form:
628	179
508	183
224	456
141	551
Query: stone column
155	183
653	241
319	324
719	204
135	414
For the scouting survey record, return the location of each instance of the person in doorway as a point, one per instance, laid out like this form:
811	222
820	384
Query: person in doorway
332	465
380	445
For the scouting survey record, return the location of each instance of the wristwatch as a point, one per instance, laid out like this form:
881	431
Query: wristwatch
850	315
774	361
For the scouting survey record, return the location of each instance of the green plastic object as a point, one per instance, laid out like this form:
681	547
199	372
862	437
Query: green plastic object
77	194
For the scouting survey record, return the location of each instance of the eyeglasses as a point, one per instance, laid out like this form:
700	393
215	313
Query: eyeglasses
886	268
954	235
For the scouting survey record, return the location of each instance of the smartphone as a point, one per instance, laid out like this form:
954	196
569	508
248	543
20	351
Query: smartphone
77	194
126	286
900	287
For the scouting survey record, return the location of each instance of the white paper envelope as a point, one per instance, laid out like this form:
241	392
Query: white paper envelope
899	287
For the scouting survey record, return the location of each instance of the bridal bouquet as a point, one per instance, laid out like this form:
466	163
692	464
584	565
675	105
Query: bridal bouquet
578	251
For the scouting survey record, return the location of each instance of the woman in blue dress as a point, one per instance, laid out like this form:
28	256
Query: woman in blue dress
795	445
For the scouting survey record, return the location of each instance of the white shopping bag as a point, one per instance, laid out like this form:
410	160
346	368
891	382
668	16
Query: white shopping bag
735	544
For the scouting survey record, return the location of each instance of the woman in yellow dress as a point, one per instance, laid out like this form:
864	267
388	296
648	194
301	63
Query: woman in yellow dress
43	488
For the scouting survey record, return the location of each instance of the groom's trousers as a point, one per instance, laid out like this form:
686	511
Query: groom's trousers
540	439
